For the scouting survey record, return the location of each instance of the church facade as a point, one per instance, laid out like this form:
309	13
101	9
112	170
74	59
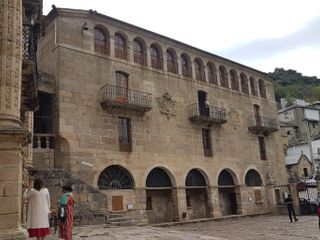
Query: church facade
166	131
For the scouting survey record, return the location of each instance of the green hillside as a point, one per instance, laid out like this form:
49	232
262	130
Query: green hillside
292	84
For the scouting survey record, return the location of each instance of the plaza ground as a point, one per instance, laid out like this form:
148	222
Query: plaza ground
245	228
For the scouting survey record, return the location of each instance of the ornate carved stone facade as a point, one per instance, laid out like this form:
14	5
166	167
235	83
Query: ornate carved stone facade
14	130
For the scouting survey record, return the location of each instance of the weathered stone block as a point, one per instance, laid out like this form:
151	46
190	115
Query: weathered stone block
9	205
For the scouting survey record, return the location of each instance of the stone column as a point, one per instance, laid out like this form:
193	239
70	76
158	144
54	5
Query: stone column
213	201
10	67
182	204
11	133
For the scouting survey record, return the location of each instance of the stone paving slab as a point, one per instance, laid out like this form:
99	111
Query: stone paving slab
246	228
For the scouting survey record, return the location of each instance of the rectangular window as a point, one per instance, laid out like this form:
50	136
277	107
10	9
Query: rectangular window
257	196
305	172
149	203
262	148
206	140
124	128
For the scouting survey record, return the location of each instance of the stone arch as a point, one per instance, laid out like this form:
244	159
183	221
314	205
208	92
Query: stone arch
199	69
229	194
244	83
234	80
197	198
253	178
156	56
186	67
253	86
139	51
196	178
161	197
262	89
212	73
121	45
172	62
160	177
115	177
101	38
224	82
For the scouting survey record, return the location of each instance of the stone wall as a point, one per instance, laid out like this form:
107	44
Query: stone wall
87	134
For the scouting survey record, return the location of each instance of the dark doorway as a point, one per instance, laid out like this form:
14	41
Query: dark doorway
203	106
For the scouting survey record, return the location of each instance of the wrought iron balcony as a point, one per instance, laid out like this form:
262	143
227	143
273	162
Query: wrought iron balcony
114	96
29	67
206	114
262	125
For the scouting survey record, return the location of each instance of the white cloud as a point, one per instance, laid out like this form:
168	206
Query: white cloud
211	25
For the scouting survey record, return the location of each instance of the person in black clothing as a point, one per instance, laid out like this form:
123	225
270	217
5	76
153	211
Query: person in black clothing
289	202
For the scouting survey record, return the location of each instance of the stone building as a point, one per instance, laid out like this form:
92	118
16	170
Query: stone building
166	131
19	26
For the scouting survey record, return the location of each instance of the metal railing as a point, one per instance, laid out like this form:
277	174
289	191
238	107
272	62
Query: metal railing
196	110
29	42
121	51
200	76
157	63
116	94
187	72
172	67
140	58
263	122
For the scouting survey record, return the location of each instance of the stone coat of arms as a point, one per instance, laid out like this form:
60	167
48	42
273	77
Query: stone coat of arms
167	105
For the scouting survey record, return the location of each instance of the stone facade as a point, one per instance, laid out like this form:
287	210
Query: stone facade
17	101
190	148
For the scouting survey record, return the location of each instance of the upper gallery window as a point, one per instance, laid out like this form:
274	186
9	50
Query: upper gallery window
212	73
262	89
223	77
140	56
120	46
101	41
199	69
244	83
234	80
186	66
172	65
156	59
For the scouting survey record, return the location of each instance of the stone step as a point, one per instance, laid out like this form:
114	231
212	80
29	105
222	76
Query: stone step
123	223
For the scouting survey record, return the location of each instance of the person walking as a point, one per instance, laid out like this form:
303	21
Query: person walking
38	210
66	204
289	202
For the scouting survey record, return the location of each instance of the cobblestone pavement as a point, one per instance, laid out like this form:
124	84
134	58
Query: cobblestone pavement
247	228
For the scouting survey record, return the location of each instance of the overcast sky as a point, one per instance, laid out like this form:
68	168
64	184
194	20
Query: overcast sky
263	34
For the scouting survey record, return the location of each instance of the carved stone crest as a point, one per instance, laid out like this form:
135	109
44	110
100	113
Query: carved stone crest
234	119
167	105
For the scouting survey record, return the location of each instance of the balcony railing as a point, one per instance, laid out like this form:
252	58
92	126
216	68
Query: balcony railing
206	114
115	96
262	125
157	63
43	140
187	72
121	52
172	67
140	58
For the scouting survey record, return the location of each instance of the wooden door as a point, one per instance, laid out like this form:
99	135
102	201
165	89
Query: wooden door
257	114
121	87
117	203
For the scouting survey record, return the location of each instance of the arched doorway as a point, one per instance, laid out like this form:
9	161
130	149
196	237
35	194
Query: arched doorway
161	202
196	195
227	194
118	183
